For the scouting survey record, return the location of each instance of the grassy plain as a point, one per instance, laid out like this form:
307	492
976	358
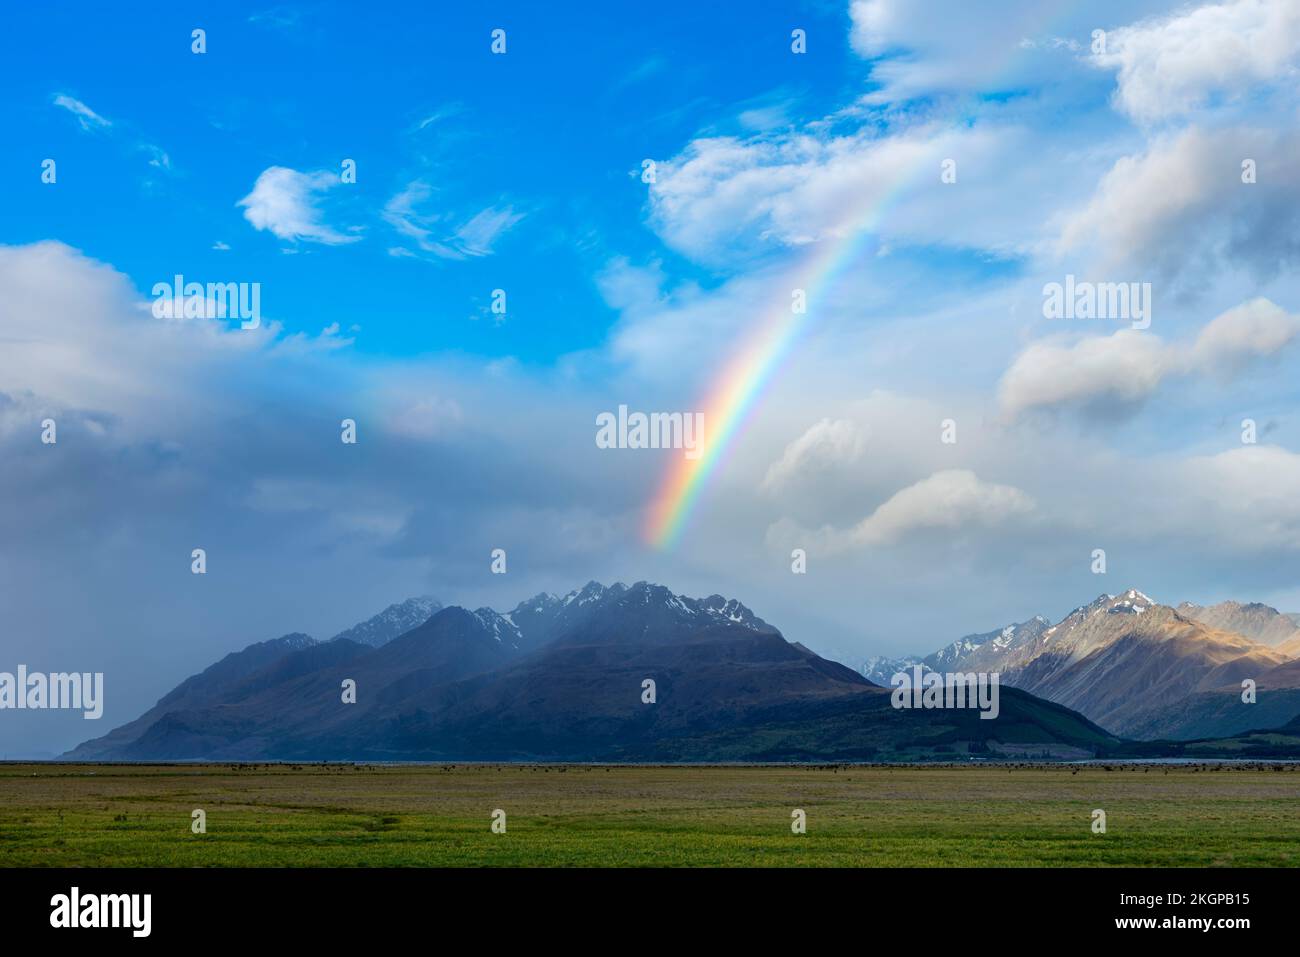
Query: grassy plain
578	815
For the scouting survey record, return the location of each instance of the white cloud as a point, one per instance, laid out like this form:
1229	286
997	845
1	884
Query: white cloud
477	236
87	117
89	120
725	195
284	202
402	213
828	446
437	116
157	156
432	232
1181	211
299	343
1101	373
949	501
1144	198
1113	374
1174	64
1253	330
62	313
922	47
952	499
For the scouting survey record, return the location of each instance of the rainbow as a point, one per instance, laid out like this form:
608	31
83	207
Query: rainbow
734	394
728	403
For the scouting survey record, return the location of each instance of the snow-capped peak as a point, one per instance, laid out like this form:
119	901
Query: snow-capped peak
394	620
501	626
1131	602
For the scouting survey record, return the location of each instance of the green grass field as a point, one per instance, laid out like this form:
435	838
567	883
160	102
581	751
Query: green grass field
421	816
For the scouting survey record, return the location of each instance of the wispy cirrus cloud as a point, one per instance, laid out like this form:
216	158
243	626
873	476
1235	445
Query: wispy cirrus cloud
87	118
93	122
444	112
433	232
280	18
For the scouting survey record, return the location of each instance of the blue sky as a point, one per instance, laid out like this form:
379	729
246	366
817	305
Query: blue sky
554	131
1113	163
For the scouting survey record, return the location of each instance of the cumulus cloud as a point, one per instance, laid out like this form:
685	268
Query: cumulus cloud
1171	65
61	316
1112	375
1181	211
285	203
828	446
1101	374
949	501
1253	330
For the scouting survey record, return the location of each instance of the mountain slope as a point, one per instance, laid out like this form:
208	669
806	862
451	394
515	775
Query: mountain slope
879	669
1256	621
274	711
1218	711
1118	660
978	652
210	686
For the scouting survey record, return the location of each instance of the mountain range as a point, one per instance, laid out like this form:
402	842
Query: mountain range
1141	669
638	673
564	678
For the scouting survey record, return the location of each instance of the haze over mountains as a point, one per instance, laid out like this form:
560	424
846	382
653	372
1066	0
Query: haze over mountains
1141	669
